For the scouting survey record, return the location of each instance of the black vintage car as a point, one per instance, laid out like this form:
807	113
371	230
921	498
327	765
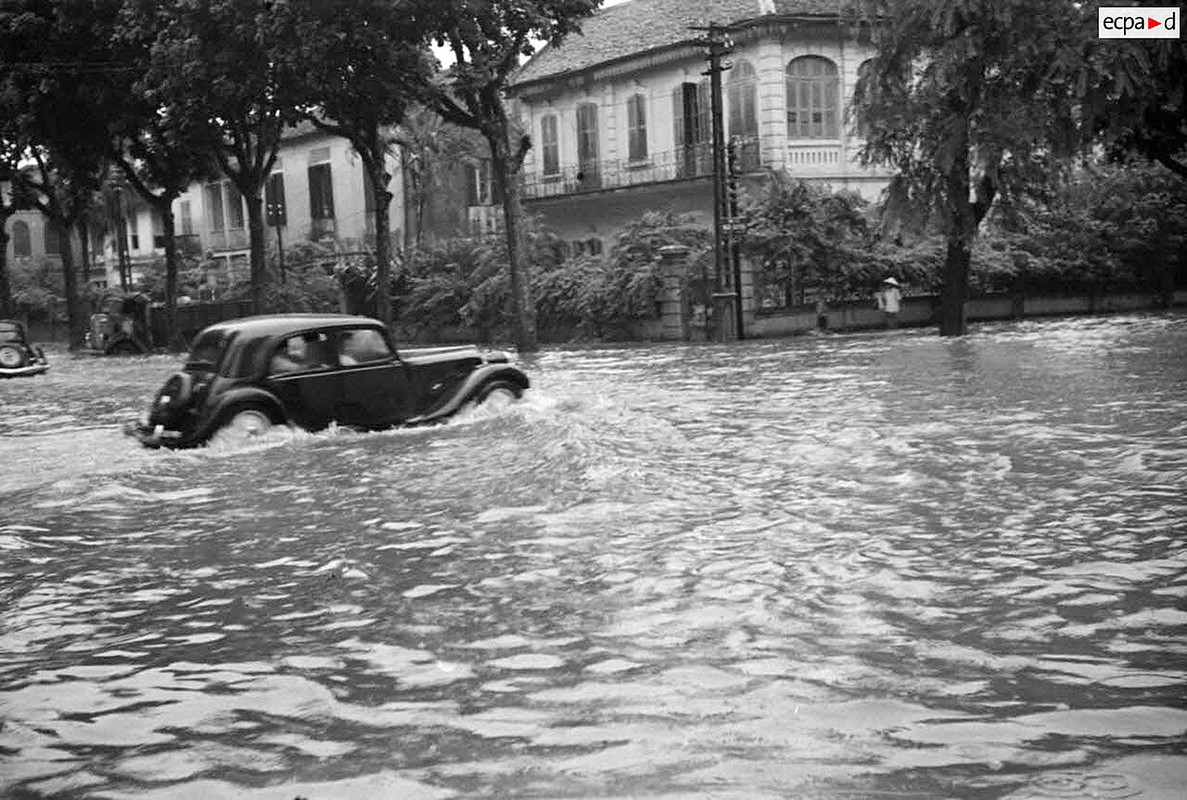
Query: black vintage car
245	376
17	356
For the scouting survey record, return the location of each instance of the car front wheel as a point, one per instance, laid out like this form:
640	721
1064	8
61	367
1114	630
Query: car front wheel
497	395
242	427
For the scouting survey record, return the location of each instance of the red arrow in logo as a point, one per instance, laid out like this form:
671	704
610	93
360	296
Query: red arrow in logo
1153	22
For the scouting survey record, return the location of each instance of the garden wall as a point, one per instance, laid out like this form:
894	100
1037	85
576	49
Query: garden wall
921	311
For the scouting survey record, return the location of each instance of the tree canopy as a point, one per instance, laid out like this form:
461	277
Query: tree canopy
974	101
486	42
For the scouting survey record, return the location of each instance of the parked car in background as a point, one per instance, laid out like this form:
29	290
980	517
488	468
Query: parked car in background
17	356
121	328
131	324
246	376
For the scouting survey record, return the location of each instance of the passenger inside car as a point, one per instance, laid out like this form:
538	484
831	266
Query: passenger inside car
361	346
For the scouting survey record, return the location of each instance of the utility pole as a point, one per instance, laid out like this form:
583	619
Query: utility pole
276	215
727	295
735	248
121	238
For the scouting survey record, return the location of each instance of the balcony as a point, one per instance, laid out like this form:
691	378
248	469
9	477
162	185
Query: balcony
692	161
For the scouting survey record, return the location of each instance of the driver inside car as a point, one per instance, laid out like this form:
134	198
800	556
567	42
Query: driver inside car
292	356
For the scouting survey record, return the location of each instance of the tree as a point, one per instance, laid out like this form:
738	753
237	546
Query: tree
971	101
224	65
13	197
803	236
360	61
158	151
58	107
1134	97
486	41
436	158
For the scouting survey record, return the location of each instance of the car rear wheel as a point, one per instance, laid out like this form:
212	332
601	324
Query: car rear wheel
242	426
498	395
11	357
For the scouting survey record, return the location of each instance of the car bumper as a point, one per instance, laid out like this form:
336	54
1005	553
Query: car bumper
19	372
154	435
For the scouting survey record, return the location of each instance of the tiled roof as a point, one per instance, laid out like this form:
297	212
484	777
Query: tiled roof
638	26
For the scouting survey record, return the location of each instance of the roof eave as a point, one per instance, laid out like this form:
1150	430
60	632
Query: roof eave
753	22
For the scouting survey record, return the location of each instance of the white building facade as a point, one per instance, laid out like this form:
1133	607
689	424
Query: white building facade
620	116
318	191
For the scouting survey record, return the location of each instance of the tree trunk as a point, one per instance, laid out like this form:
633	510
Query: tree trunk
523	311
76	324
6	309
256	232
165	209
383	258
84	246
380	178
954	294
961	228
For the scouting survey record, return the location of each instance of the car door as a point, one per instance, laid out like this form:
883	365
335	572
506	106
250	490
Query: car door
373	386
303	375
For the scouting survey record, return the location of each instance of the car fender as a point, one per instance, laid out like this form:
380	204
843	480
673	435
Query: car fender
246	395
471	386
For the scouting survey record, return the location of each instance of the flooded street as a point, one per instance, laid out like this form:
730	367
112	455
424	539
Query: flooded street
879	565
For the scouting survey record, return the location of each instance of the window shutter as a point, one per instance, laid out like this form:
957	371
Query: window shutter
678	113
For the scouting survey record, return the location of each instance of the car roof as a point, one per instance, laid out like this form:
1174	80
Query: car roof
284	324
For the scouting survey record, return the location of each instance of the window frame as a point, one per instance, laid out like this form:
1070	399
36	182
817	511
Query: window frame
588	146
22	239
214	201
813	88
550	146
742	98
53	237
636	115
321	192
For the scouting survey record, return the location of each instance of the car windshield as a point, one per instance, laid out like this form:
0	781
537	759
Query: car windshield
206	352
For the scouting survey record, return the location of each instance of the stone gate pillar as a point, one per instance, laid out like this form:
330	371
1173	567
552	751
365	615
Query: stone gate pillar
673	266
749	300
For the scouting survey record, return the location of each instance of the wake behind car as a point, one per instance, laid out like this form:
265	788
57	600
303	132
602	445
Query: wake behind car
245	376
18	357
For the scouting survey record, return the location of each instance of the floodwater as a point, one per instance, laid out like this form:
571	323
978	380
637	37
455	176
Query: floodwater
860	566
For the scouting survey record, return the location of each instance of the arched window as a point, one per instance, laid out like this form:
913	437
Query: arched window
813	88
857	122
21	245
742	96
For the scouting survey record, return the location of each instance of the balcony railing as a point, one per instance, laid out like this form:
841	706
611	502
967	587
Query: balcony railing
692	161
814	158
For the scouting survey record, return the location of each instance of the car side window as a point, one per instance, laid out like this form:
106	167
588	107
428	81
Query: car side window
303	352
361	346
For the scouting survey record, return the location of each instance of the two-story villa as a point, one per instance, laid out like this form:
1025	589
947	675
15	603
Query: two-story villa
620	115
318	191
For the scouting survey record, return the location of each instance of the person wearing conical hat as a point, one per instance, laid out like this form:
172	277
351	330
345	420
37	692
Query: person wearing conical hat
890	298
